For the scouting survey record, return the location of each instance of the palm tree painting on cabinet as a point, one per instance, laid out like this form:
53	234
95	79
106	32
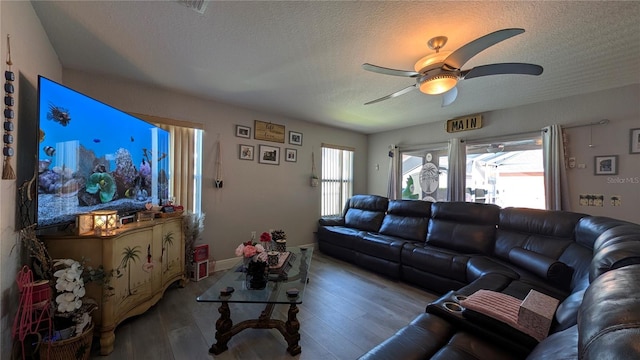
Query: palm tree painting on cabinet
128	255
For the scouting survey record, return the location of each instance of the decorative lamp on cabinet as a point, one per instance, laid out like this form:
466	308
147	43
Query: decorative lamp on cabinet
104	222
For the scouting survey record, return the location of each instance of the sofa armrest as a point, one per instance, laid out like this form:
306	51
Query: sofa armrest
557	272
331	221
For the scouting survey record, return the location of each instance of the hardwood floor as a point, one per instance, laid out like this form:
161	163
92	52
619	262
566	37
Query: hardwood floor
345	312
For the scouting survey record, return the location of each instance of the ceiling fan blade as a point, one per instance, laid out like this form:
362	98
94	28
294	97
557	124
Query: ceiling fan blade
387	71
395	94
466	52
450	96
502	68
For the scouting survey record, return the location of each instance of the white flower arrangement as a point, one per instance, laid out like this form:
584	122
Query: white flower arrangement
69	285
70	293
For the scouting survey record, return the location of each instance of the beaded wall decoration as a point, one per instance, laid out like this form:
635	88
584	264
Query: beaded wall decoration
7	151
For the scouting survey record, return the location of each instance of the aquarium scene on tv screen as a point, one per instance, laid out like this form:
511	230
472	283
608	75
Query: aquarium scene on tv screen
94	157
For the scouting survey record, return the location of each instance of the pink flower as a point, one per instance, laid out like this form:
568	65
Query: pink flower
250	251
259	248
240	250
265	237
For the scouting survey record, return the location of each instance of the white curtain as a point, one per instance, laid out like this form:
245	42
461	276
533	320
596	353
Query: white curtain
392	189
556	187
457	170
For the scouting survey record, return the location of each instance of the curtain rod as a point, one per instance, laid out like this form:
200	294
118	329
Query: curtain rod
601	122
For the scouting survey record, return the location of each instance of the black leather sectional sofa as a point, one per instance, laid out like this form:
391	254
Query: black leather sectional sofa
588	263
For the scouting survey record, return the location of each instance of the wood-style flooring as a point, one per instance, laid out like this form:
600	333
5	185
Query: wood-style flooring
345	312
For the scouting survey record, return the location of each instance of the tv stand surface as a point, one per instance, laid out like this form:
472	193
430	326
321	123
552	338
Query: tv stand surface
141	260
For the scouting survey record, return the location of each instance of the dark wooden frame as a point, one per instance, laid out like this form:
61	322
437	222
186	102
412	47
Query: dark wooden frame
597	162
240	128
288	151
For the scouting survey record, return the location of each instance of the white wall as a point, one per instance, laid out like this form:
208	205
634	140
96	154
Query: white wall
254	196
31	54
619	105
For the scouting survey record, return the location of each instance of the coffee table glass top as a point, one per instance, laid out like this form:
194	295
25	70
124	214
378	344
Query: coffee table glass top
275	292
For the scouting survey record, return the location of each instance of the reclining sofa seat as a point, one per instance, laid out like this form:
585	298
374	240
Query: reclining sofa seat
456	231
339	236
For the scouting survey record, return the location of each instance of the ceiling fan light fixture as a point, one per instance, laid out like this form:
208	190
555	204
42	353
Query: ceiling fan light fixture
438	84
428	61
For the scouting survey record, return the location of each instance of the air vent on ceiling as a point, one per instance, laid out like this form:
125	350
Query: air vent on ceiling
197	5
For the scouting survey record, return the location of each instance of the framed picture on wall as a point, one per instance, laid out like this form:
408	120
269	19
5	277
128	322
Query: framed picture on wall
243	131
295	138
246	152
290	155
605	165
269	155
634	141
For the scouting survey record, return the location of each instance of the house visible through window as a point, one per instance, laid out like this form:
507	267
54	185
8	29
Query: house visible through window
336	178
506	173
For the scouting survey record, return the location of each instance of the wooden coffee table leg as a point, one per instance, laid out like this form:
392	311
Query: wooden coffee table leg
292	327
223	329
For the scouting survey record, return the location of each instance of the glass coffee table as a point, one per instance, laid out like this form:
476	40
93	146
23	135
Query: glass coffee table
285	286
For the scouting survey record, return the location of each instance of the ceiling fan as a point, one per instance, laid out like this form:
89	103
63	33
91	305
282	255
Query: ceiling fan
439	73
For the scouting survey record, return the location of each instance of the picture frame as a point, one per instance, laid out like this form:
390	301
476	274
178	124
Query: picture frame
634	141
243	131
290	155
245	152
605	165
269	155
295	138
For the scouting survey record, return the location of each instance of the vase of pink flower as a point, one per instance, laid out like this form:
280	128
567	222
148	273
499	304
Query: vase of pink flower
248	250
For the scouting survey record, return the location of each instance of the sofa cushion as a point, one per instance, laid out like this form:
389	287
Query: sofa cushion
562	345
463	227
365	212
380	246
615	256
543	231
437	261
591	227
407	219
421	339
340	235
609	318
567	312
556	272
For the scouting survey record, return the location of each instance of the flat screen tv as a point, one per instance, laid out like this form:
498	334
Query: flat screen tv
95	157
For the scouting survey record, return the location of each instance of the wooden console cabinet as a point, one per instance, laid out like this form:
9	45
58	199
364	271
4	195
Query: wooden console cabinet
143	258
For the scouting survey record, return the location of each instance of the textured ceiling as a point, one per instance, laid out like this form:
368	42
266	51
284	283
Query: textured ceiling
302	59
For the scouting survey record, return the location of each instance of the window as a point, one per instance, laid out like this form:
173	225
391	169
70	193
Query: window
185	160
506	173
336	179
424	174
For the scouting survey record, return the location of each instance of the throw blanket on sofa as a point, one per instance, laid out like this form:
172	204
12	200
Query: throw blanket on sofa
502	307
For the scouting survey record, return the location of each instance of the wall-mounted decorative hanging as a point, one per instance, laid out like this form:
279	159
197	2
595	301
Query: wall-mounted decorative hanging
290	155
7	151
217	182
243	131
314	174
295	138
268	131
634	141
605	165
246	152
269	155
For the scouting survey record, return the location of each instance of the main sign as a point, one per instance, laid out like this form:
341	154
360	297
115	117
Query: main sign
464	123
